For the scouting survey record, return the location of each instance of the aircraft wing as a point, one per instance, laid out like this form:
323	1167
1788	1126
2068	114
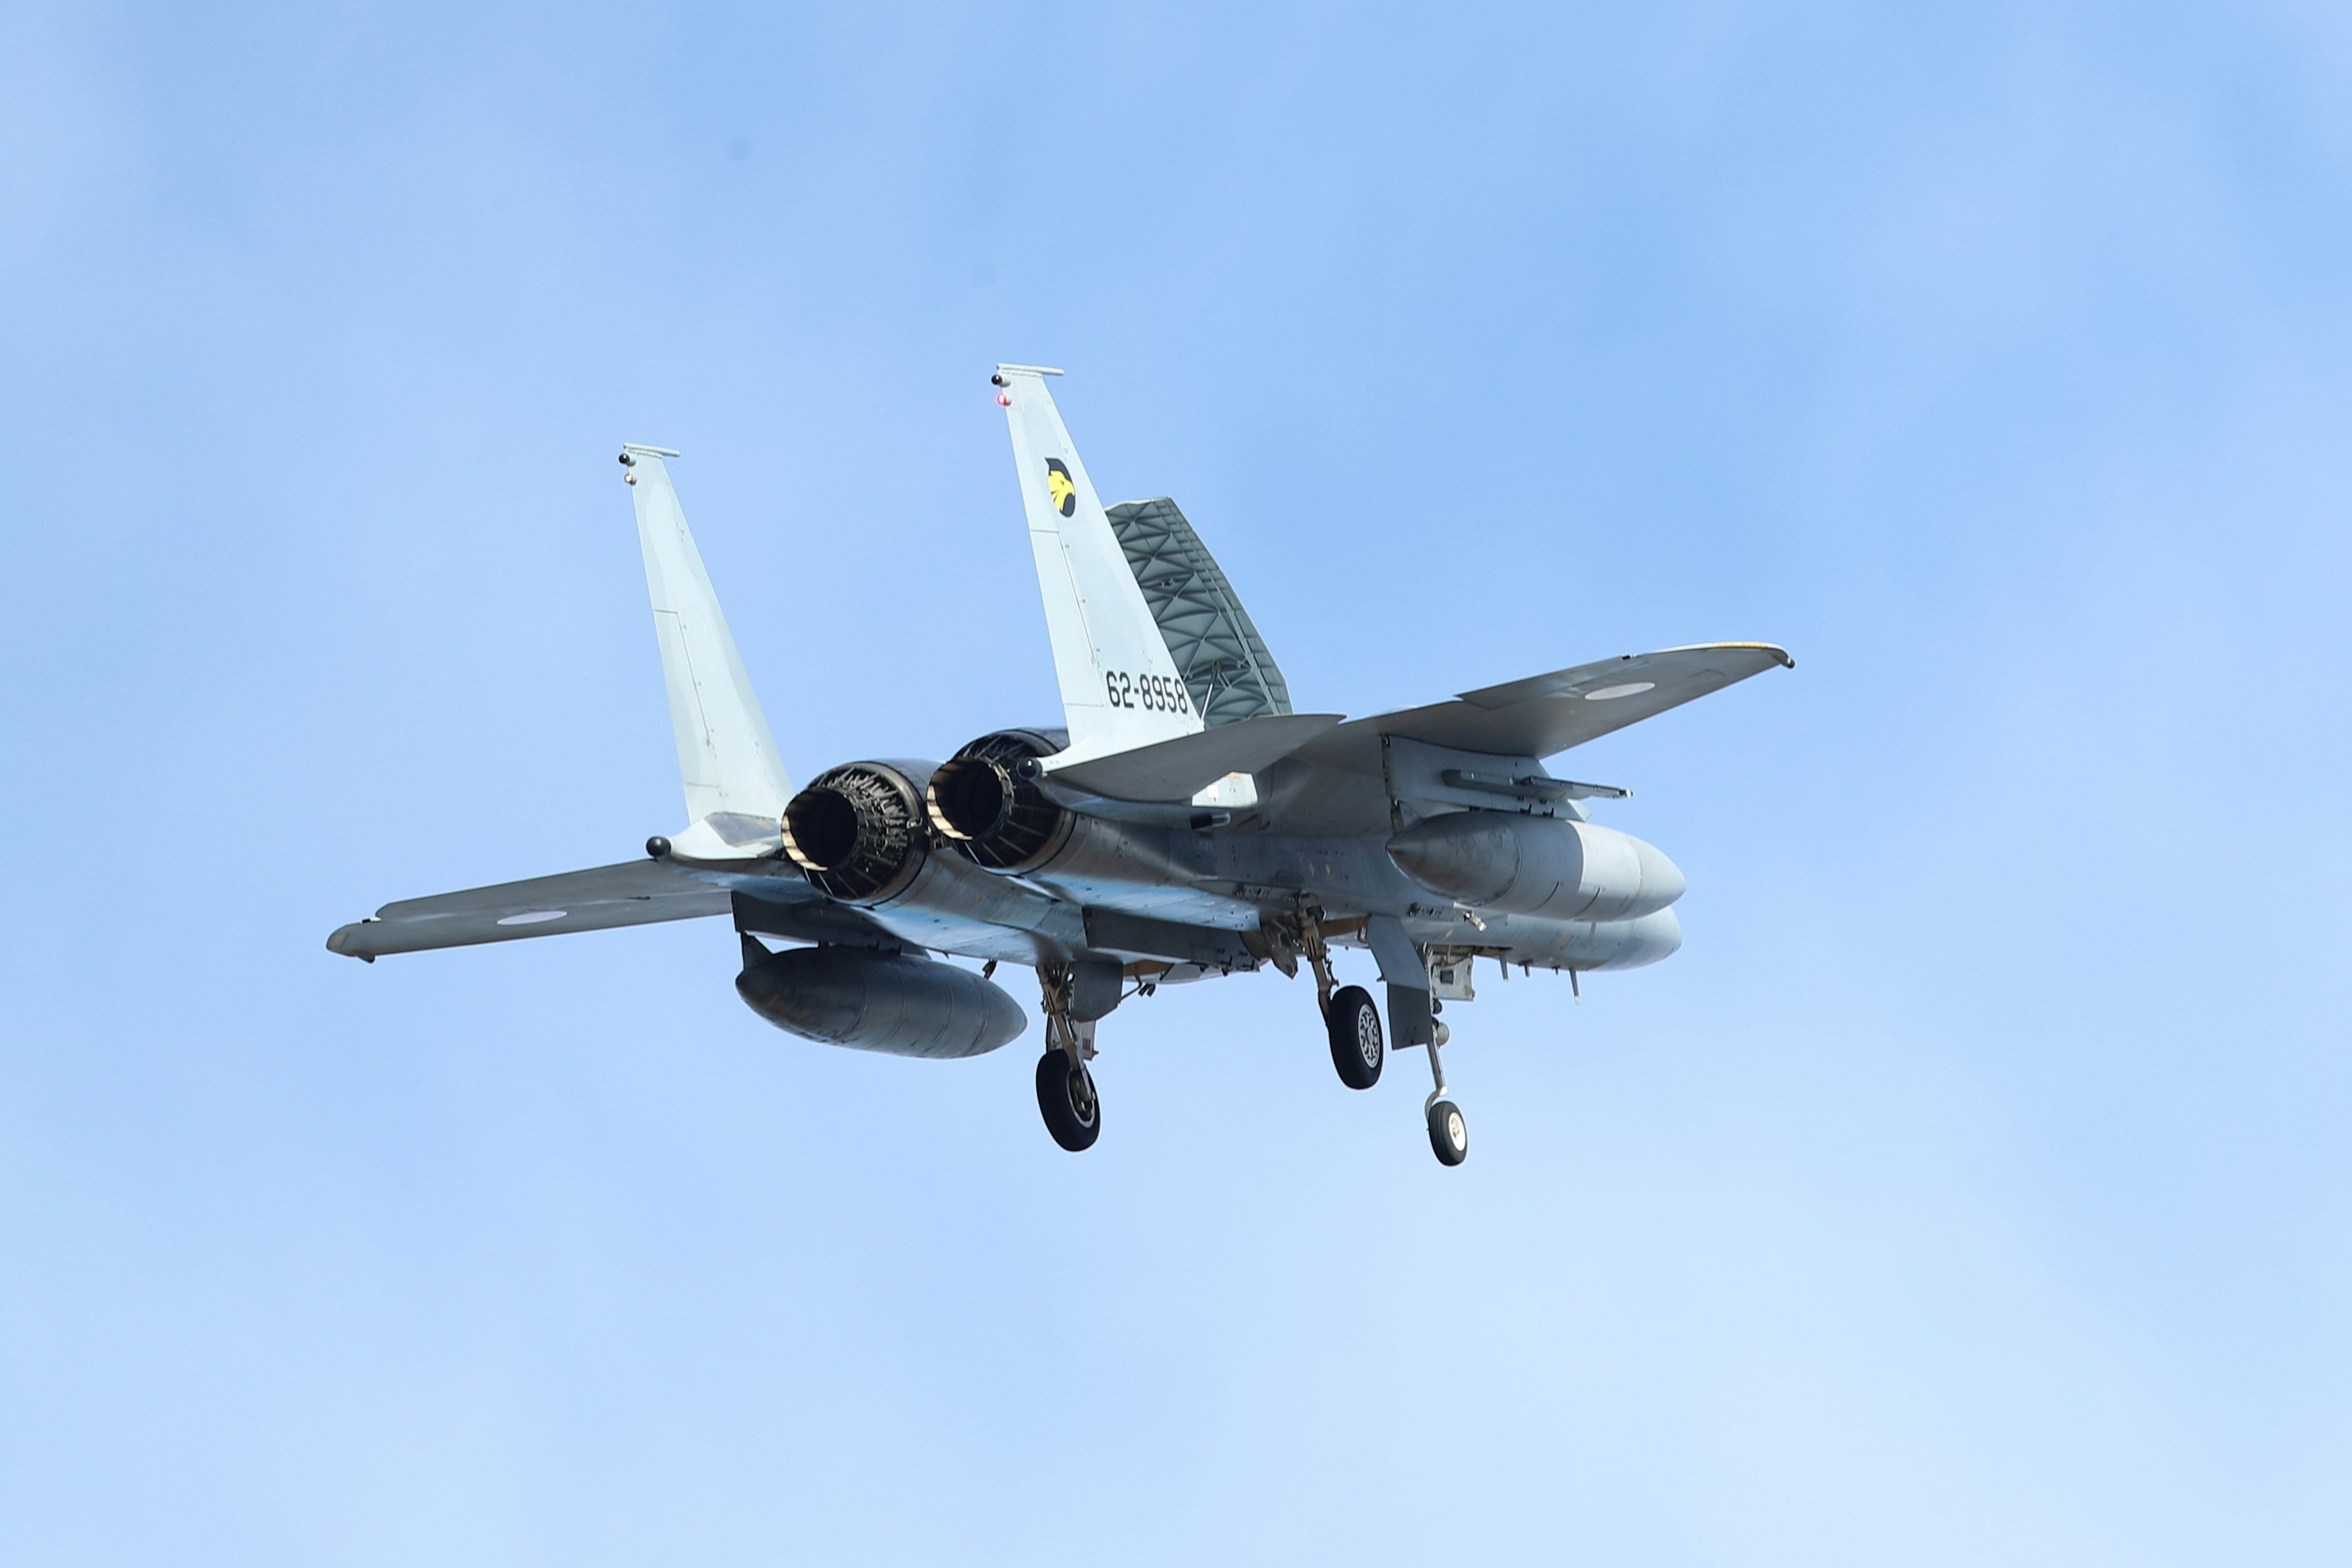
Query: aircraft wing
632	894
1548	713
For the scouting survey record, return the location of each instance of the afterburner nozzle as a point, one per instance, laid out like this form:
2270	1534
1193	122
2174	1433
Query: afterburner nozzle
857	832
970	797
984	801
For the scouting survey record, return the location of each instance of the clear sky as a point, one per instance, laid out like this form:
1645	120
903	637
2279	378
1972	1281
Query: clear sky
1972	1188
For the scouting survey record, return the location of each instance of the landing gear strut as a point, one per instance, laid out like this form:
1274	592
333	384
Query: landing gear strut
1065	1090
1318	953
1449	1136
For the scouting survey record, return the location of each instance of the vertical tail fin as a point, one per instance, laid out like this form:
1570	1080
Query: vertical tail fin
1121	689
726	757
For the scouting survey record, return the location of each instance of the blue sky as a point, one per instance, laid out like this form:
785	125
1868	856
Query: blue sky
1973	1187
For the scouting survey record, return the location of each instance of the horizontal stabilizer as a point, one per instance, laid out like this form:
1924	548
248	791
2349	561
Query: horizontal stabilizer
1545	714
1182	768
632	894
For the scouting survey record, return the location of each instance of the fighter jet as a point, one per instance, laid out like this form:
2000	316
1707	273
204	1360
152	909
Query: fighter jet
1180	822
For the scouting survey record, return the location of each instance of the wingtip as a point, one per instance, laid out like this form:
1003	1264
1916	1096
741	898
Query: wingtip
1780	655
1775	649
343	940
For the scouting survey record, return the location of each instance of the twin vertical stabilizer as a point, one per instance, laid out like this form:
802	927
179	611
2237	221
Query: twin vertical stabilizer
726	757
1120	689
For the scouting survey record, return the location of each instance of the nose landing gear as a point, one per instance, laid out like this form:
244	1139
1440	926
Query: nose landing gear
1449	1136
1449	1140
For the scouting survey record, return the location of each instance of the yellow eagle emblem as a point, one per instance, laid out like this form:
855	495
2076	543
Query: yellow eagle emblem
1058	486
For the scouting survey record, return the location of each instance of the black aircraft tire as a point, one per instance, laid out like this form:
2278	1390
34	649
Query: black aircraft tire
1066	1099
1449	1136
1358	1050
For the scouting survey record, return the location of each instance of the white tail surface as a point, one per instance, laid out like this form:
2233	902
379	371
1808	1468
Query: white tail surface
1120	689
726	757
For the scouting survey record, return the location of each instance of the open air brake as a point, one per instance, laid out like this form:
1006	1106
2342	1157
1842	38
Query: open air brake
1180	822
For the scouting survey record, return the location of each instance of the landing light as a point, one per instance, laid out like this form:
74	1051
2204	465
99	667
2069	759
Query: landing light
1611	693
535	917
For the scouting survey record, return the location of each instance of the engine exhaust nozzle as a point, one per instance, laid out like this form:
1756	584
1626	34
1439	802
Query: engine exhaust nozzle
985	801
857	832
970	798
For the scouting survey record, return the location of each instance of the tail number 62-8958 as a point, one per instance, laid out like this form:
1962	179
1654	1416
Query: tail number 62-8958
1154	693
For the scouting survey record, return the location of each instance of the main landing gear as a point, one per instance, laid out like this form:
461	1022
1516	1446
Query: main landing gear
1065	1090
1066	1097
1360	1048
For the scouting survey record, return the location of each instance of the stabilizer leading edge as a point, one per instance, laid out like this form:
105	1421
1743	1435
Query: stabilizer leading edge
632	894
726	758
1120	689
1547	714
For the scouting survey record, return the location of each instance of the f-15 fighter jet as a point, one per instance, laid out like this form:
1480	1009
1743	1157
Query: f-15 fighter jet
1180	822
